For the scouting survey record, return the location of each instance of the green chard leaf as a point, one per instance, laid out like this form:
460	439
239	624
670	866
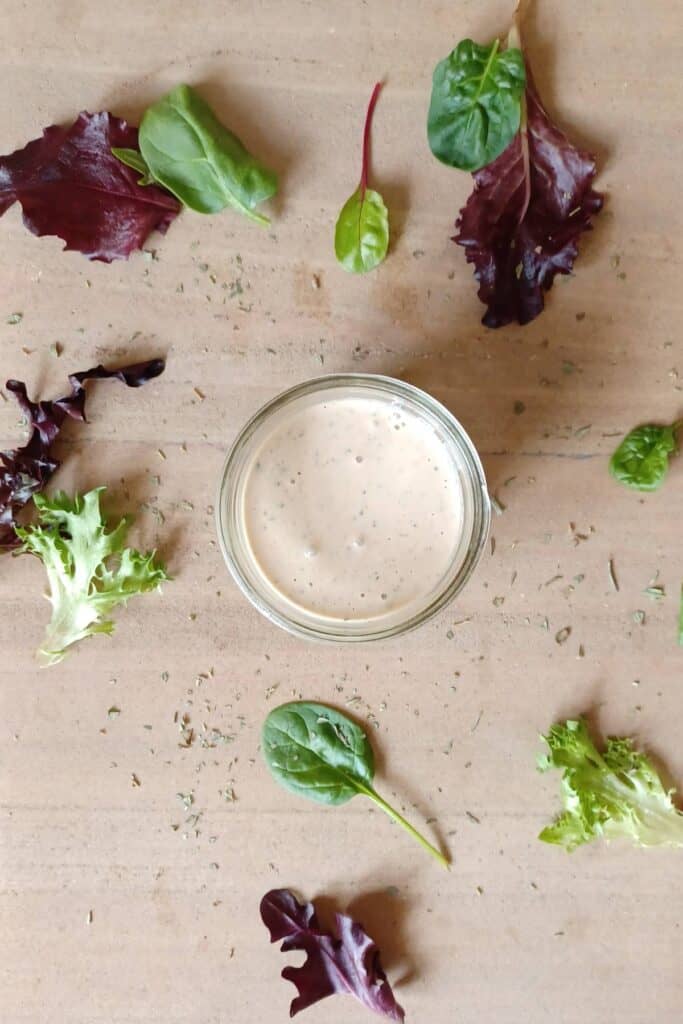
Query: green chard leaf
319	753
476	103
642	459
185	148
89	570
614	794
361	236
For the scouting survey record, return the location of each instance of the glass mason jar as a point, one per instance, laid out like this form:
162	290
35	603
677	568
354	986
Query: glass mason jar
234	528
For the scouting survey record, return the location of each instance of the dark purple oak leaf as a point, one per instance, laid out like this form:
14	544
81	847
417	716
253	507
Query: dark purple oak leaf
348	963
521	224
25	471
70	184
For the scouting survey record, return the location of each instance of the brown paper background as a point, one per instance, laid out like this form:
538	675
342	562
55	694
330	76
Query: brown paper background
518	931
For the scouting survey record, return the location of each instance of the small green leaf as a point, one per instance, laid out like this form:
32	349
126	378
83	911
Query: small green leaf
680	621
642	459
475	109
189	152
319	753
131	158
361	237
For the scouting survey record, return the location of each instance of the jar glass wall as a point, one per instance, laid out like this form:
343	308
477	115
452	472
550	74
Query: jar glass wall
268	503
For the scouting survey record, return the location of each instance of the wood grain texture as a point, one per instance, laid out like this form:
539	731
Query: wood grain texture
517	931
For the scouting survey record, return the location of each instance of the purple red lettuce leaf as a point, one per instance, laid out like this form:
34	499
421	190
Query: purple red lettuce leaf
348	963
521	224
25	471
70	184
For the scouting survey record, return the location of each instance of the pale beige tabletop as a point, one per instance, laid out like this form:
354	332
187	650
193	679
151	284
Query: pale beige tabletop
118	905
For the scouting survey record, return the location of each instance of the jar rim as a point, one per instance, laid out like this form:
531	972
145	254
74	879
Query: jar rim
423	401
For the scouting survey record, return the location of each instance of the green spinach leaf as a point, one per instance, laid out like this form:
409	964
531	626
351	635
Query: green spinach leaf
476	103
185	148
319	753
642	459
361	236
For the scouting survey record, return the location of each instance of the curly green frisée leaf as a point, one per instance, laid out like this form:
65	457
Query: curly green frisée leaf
89	571
185	148
476	103
616	793
319	753
642	459
361	236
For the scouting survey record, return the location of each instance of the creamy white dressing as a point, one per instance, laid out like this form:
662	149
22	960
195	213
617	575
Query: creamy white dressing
353	506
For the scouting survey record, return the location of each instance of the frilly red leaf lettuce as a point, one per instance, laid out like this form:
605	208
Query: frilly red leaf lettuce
70	184
521	224
25	471
348	963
